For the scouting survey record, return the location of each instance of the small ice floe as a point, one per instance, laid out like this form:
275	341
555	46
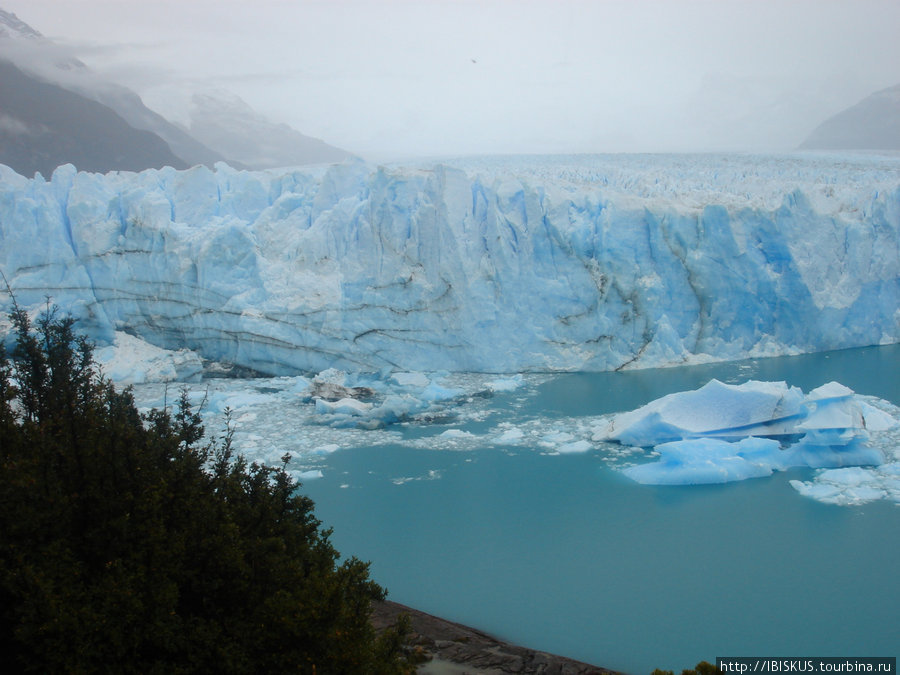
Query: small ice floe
326	449
383	401
435	392
512	436
563	443
456	433
344	406
432	474
853	485
303	476
505	384
412	380
331	385
555	438
574	447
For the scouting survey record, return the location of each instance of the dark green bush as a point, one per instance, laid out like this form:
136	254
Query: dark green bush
131	545
702	668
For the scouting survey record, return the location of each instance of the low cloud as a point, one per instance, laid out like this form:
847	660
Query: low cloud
13	126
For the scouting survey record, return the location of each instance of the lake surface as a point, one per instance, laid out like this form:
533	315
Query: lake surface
562	553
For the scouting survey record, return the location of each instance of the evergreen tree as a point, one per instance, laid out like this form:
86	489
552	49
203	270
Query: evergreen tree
131	545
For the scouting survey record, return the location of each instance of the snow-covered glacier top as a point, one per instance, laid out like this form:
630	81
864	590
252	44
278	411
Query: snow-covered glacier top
494	264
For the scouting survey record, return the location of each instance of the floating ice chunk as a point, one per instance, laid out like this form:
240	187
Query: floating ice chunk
326	449
834	413
823	492
307	475
708	460
820	455
456	433
574	447
299	384
510	436
875	419
715	410
130	360
419	380
853	485
435	392
555	438
850	476
394	408
506	384
832	390
825	430
220	401
345	406
331	376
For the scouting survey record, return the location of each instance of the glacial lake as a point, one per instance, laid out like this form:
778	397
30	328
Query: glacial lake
477	512
562	553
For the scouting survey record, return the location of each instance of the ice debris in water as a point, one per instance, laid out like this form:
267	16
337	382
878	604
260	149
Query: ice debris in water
366	401
130	360
721	433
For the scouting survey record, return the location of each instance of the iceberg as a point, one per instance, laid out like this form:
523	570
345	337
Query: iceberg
708	460
722	433
715	410
475	265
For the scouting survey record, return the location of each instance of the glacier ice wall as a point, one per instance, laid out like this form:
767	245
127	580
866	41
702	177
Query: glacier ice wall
558	263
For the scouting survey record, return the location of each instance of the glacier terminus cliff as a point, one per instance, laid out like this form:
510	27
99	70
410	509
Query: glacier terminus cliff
492	265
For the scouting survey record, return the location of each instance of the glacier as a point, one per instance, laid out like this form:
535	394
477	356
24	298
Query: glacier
501	265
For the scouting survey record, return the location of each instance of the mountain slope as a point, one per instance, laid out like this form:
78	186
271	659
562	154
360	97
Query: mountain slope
33	54
225	122
871	124
12	26
43	125
132	109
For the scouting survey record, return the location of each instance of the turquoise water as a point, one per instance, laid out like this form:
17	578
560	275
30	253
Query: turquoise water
564	554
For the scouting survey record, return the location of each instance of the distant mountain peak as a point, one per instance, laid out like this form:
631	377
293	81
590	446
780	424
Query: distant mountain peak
12	26
223	127
871	124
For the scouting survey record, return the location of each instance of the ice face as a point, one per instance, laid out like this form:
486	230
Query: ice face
716	410
714	434
499	266
708	460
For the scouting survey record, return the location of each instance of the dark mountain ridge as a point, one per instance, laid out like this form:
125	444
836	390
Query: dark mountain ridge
33	138
43	125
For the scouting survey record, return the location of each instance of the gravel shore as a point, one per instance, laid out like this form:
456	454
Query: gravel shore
454	649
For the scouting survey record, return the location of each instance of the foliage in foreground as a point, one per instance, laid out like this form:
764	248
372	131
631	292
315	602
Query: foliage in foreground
702	668
129	545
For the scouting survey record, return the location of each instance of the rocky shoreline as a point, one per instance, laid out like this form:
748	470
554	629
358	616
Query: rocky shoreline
453	649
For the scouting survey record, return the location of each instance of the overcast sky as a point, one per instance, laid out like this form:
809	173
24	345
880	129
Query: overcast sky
395	78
